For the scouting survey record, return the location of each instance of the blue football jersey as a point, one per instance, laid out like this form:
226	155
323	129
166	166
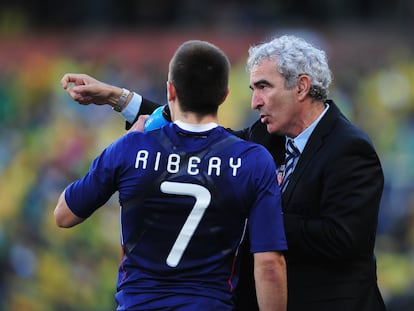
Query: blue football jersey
186	199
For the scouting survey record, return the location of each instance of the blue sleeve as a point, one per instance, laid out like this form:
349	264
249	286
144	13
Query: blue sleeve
266	228
93	190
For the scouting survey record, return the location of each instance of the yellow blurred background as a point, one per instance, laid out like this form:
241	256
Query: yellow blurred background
47	140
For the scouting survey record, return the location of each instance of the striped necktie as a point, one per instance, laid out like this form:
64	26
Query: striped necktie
292	153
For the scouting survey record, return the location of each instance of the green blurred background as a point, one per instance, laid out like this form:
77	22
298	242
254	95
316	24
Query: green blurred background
47	140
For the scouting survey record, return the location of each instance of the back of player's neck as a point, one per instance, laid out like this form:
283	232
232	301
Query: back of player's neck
196	127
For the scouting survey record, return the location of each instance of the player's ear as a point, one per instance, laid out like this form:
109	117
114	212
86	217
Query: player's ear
171	92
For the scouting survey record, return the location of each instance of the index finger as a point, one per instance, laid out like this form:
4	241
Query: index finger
71	78
66	79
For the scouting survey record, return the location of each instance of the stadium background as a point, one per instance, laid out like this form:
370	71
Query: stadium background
46	140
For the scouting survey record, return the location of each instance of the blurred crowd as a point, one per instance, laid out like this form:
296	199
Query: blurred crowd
47	140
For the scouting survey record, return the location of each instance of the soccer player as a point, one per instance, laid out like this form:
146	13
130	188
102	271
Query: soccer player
188	192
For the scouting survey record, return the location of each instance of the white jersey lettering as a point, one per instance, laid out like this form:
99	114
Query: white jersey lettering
235	166
193	165
172	163
214	163
142	157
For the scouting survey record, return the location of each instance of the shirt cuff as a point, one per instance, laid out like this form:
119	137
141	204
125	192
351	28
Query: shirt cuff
129	113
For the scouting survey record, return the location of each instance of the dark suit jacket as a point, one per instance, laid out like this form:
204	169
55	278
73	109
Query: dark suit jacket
330	210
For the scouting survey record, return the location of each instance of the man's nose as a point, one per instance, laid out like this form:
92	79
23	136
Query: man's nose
256	102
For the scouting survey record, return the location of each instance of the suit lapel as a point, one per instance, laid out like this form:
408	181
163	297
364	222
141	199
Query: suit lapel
315	143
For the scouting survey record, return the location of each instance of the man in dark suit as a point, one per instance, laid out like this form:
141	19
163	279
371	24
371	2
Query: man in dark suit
332	186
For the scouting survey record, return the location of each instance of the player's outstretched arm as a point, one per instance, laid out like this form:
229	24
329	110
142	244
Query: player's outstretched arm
87	90
64	217
271	281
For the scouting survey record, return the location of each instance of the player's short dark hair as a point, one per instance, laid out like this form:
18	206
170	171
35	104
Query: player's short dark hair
200	72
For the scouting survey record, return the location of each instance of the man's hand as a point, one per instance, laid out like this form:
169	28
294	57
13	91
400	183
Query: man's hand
138	126
87	90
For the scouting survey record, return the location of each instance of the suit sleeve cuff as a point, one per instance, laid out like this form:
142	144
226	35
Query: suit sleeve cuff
129	113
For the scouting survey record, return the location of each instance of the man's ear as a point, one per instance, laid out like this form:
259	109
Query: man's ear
303	86
171	92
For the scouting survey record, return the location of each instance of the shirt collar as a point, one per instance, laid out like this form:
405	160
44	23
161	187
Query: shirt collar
301	140
196	127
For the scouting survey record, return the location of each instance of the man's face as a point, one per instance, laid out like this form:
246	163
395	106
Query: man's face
276	104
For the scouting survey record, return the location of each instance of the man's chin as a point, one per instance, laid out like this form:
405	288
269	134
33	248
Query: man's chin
271	130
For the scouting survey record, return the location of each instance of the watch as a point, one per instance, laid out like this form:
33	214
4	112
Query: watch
119	106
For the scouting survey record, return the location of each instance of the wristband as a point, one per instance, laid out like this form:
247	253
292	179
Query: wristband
119	106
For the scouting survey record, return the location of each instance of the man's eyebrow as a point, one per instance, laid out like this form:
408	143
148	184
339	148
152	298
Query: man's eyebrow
260	82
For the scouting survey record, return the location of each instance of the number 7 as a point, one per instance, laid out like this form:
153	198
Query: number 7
203	198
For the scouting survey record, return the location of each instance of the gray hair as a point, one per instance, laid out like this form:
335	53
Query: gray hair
294	57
